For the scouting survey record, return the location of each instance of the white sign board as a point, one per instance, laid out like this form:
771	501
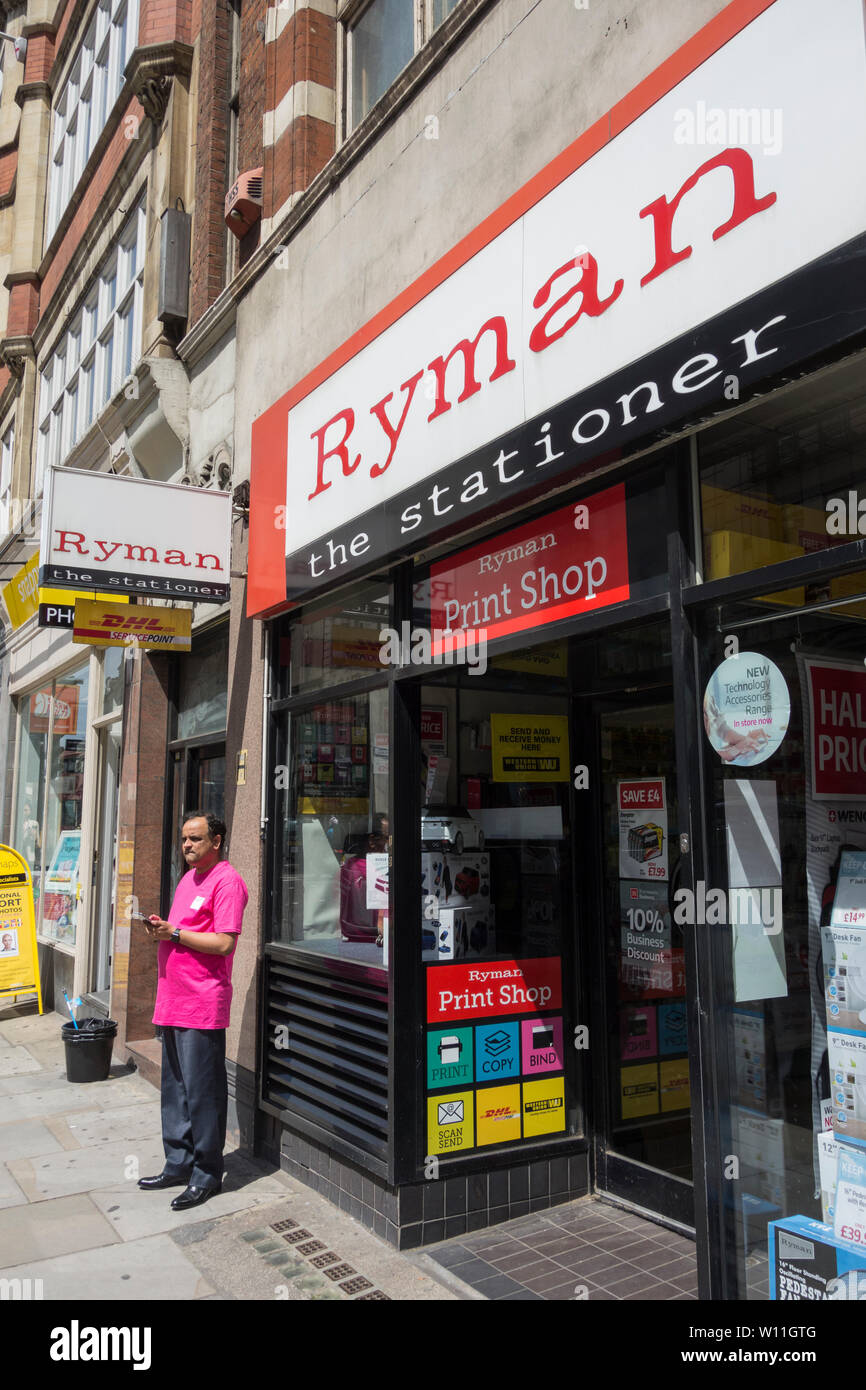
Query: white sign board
135	537
651	224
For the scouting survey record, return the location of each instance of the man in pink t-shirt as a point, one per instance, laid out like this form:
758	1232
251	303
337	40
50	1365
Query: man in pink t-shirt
193	1002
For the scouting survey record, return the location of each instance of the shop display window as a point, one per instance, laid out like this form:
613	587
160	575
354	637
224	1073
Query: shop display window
495	909
50	797
331	887
332	643
112	679
203	693
775	483
197	754
788	833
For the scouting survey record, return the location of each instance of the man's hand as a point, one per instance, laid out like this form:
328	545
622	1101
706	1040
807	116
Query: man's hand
207	942
158	929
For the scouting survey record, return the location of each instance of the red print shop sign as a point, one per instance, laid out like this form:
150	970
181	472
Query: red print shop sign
551	568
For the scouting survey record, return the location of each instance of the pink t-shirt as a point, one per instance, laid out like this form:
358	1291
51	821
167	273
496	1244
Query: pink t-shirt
194	989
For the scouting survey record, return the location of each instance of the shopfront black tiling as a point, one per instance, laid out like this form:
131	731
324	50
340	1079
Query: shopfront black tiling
539	1180
455	1196
518	1186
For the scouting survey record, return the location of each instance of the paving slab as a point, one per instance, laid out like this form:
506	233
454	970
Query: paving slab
116	1165
46	1229
11	1194
30	1026
16	1060
154	1270
135	1214
50	1100
48	1052
26	1139
132	1123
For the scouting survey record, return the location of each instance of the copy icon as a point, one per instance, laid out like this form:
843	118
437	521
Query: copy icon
497	1043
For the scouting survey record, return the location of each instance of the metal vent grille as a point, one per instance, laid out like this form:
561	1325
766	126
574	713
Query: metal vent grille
255	188
334	1070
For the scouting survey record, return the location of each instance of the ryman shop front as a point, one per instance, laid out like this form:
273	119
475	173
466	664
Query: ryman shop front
563	597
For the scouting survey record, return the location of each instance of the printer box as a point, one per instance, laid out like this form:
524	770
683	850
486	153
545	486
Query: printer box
456	880
458	933
809	1263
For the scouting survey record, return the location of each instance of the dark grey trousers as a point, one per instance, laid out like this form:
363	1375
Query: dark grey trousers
194	1103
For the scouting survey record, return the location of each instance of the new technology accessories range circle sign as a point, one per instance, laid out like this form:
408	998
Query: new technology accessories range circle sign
747	709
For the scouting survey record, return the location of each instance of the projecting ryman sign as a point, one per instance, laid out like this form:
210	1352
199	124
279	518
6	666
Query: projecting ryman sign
646	278
135	537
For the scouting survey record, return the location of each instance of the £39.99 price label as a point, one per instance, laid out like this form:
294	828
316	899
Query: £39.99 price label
850	1212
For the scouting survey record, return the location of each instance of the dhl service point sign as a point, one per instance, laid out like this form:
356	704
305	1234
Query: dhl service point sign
19	963
100	624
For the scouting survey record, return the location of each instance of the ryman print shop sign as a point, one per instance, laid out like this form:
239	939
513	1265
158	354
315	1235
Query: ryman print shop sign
638	282
134	537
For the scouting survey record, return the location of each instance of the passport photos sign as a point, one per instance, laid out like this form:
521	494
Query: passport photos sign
19	965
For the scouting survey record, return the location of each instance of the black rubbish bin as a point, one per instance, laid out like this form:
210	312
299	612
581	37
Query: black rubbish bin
88	1048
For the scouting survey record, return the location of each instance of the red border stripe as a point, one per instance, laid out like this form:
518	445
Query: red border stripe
268	464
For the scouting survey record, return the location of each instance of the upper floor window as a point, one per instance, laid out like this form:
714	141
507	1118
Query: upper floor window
7	445
97	352
380	44
87	97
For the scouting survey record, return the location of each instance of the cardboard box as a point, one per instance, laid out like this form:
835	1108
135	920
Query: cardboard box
808	1263
843	951
724	510
734	552
456	880
459	933
846	1055
828	1158
806	527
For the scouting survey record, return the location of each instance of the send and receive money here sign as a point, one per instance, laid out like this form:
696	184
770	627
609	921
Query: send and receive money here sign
529	748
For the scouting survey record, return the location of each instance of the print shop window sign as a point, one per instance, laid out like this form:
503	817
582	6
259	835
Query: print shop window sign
332	438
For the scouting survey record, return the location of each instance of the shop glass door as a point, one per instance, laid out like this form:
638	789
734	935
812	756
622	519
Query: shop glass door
105	859
643	1119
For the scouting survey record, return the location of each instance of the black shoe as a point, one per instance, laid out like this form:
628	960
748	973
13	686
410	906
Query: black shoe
193	1197
162	1180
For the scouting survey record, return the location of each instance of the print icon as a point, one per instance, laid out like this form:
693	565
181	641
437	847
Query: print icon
449	1050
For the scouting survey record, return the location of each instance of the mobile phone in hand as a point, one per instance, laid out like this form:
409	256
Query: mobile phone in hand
140	917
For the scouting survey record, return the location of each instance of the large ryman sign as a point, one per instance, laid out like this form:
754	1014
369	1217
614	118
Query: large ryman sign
703	236
135	537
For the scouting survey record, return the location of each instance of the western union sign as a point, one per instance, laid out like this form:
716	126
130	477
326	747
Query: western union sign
100	624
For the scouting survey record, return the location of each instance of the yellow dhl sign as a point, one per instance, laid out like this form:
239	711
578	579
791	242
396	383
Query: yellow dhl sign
101	624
